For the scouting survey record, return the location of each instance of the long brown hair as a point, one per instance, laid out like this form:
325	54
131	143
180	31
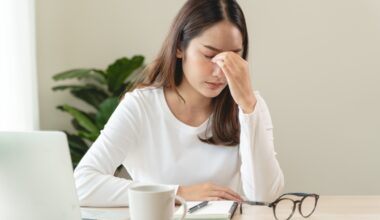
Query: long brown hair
166	70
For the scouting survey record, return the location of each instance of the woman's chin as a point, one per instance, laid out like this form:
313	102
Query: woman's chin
211	93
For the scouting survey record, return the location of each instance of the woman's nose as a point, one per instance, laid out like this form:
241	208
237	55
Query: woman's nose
217	72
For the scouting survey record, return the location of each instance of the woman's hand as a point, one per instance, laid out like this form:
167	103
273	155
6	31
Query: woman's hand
235	69
207	191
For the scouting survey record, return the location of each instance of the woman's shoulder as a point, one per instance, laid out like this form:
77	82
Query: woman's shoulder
143	95
144	92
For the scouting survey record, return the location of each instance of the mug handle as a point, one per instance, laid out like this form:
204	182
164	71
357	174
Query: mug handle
183	203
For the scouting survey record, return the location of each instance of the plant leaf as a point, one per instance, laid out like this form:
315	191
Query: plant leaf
82	118
82	132
86	135
90	94
77	143
97	75
76	125
64	87
78	148
105	111
120	70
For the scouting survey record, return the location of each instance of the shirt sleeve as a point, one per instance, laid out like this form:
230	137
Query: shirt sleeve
261	175
94	180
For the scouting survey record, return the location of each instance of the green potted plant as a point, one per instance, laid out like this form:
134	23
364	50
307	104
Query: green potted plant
101	89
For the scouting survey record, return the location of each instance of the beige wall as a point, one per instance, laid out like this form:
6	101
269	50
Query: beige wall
315	62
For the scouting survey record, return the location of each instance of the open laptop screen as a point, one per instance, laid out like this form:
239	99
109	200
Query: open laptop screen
36	177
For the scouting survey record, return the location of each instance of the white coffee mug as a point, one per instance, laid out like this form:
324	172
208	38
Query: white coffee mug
148	202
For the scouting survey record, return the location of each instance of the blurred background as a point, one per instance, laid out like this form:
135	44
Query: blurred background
315	62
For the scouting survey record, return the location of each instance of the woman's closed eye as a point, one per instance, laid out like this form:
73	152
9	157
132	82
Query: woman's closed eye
208	56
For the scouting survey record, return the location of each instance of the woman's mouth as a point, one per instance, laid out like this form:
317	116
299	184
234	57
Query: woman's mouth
212	85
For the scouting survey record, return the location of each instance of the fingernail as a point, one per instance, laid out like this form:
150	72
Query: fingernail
220	63
215	59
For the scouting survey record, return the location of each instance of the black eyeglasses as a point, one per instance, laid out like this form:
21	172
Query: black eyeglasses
284	206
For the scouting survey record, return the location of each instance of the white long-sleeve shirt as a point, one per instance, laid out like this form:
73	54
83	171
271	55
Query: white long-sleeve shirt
155	147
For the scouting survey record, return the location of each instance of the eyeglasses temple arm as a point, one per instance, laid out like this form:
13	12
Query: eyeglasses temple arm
256	203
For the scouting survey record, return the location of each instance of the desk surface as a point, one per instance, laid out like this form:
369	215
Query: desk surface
329	208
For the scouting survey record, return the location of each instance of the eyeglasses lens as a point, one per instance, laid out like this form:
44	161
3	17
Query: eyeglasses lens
308	205
284	209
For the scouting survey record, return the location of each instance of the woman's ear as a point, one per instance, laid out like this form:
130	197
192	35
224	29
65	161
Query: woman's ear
179	54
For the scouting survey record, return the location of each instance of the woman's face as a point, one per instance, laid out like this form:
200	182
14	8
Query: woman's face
200	74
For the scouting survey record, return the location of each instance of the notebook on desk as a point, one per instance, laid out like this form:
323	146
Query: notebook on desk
215	210
220	210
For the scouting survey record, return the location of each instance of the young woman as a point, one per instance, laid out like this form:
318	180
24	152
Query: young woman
196	122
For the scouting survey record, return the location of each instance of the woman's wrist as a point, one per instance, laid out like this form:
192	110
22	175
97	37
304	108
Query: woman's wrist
250	105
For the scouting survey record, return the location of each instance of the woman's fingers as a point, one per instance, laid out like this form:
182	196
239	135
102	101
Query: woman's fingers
213	198
229	191
227	65
236	71
207	191
223	193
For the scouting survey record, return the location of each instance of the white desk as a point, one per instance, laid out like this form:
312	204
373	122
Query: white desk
329	208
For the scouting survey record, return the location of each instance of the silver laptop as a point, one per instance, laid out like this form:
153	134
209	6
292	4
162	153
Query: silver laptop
36	177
